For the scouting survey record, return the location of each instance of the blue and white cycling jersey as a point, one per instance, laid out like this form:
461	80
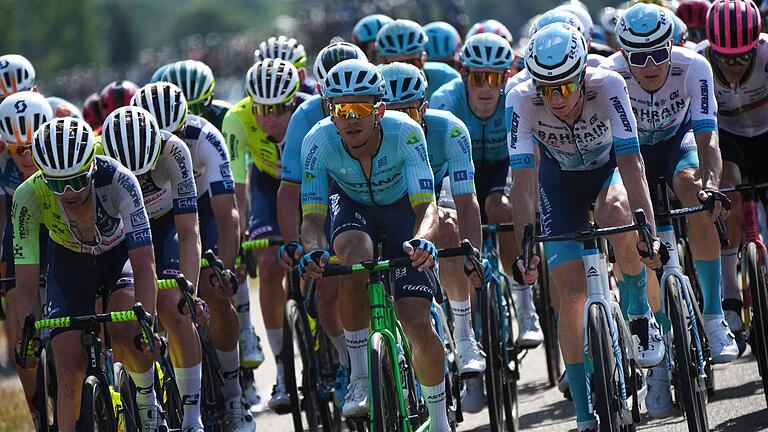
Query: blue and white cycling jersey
593	60
450	152
686	96
401	165
606	125
10	174
438	74
303	119
489	136
210	157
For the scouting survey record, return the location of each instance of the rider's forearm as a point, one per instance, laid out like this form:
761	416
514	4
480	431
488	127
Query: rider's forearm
524	198
710	161
632	170
144	277
426	221
468	212
26	293
312	232
189	248
288	196
226	213
241	195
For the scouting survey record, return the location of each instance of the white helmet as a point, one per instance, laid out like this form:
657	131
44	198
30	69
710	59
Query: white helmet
16	74
556	53
131	135
584	17
21	114
63	147
644	27
334	54
272	82
166	102
282	47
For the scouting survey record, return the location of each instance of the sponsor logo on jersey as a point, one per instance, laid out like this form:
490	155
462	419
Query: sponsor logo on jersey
412	138
186	204
139	218
617	105
426	184
704	86
225	170
309	162
455	131
382	162
308	176
460	175
212	138
187	187
140	237
130	186
513	125
178	156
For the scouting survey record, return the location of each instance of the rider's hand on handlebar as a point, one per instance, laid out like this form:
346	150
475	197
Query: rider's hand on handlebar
523	276
312	264
659	256
284	257
720	204
474	277
422	252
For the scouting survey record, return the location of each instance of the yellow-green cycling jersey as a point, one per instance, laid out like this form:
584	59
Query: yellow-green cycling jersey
245	137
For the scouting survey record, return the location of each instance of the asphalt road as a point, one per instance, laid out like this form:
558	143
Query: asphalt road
738	404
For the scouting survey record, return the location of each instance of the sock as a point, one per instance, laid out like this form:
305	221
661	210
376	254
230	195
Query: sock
242	303
577	383
230	372
729	279
525	296
462	319
341	349
709	278
145	389
357	343
624	297
637	293
188	381
435	397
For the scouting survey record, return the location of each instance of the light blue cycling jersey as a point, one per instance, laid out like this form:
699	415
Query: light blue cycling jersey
489	136
686	96
438	74
303	119
606	124
449	150
401	165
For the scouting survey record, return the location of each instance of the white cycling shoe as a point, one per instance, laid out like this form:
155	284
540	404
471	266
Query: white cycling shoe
722	343
238	417
470	360
356	400
531	335
152	419
647	343
251	354
473	400
658	400
280	402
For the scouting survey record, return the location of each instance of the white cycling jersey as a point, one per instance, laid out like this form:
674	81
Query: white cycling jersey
171	183
593	60
210	157
605	124
686	96
743	107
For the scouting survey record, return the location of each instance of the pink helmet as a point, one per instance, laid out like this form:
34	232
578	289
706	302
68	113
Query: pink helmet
733	26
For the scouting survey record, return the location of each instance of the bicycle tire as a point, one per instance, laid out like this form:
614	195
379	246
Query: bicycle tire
510	376
493	380
684	353
167	392
302	398
452	377
326	365
709	368
604	388
95	408
45	391
212	402
384	398
549	328
631	373
759	318
131	420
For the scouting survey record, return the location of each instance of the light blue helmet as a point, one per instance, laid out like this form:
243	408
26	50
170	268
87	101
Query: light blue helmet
486	50
401	37
368	27
644	27
556	53
353	78
403	83
158	75
679	31
444	40
556	16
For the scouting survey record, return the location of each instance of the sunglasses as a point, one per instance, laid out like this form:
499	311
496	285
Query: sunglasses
735	60
493	79
352	110
640	59
277	109
562	89
75	183
19	149
414	113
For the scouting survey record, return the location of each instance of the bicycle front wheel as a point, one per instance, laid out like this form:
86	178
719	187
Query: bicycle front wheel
385	395
130	413
759	317
493	360
549	328
96	413
604	386
299	337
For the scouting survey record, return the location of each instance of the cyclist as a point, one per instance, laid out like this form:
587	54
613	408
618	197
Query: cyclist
16	74
290	50
92	112
450	156
196	80
580	10
365	31
288	197
115	95
88	256
218	221
20	115
587	147
490	26
392	193
405	41
694	15
680	34
257	126
444	43
739	62
476	99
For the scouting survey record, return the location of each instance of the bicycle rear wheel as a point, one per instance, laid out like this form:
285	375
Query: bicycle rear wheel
759	318
96	413
493	361
45	392
604	387
167	391
684	354
384	391
130	411
549	328
510	372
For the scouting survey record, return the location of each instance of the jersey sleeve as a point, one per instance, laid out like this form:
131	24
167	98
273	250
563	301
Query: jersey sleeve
237	137
418	173
298	128
519	130
441	99
182	178
458	152
623	123
700	87
314	185
131	209
213	153
26	219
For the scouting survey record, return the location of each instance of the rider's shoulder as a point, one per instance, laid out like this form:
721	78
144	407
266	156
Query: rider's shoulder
599	78
449	92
